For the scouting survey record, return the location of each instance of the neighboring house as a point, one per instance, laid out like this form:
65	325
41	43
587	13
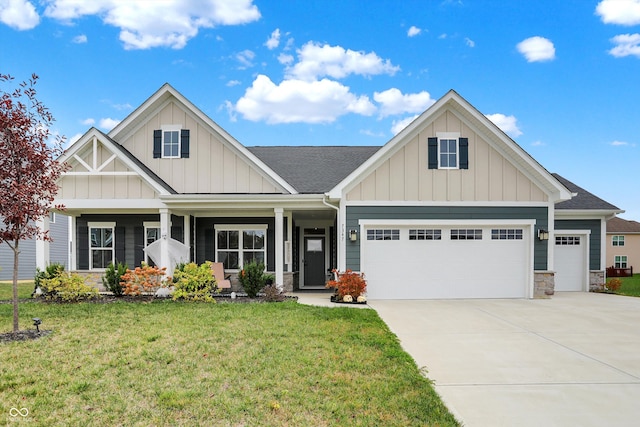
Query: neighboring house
58	250
450	207
623	245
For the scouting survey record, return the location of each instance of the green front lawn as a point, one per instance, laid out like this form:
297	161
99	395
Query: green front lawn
25	288
630	286
167	363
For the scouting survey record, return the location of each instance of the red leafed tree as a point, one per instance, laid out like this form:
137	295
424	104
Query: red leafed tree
29	168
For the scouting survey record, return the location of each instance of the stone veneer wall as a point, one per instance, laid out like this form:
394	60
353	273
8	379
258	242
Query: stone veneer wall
596	281
543	284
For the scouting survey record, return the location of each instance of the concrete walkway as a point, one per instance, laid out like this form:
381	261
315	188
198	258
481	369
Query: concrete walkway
573	360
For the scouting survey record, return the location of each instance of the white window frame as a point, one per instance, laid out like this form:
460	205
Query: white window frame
241	228
171	128
147	226
617	240
102	225
617	260
449	136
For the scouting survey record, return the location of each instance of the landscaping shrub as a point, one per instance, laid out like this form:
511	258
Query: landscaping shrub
194	282
144	279
613	285
273	294
68	288
348	283
52	270
253	278
112	278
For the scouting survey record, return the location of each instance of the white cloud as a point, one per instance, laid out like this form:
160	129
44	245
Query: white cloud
368	132
315	61
508	124
413	31
285	59
69	142
622	144
88	122
298	101
394	102
147	24
274	40
537	49
469	42
621	12
18	14
232	83
626	45
399	125
80	39
245	58
108	123
538	144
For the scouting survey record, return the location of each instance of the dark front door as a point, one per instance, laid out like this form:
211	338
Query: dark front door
314	267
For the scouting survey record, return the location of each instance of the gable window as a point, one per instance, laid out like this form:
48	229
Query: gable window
240	245
171	142
618	240
101	244
448	151
620	261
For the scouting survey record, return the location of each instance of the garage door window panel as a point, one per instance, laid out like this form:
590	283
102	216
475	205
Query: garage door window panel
506	234
383	234
567	240
466	234
425	234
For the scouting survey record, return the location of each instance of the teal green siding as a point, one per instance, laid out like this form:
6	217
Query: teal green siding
356	213
595	238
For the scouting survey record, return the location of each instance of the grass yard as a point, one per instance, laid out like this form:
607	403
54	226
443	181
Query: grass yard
167	363
630	286
25	288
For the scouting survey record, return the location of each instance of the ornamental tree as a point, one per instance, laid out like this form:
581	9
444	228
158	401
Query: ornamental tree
29	169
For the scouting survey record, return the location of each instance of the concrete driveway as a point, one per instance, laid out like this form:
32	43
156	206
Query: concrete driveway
573	360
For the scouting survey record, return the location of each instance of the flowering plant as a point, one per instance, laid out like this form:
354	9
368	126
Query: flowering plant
348	283
144	279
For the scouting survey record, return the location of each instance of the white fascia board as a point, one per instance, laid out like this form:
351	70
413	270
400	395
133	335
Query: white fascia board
445	203
585	213
164	95
248	201
110	204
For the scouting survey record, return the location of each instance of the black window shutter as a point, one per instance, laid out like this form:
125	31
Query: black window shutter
433	153
184	143
120	245
157	144
82	247
464	153
138	242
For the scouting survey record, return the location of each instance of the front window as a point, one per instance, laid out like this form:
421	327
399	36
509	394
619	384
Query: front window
238	246
618	240
101	245
620	261
171	143
448	153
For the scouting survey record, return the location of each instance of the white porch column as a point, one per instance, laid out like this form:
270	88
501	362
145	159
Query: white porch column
72	244
279	247
186	226
165	235
288	244
42	246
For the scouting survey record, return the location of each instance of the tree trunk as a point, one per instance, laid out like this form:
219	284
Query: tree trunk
16	252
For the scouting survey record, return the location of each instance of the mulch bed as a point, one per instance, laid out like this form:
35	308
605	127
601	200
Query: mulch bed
22	336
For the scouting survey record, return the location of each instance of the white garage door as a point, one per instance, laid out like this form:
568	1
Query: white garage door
570	262
471	261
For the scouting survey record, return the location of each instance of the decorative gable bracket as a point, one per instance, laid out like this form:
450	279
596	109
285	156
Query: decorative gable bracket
95	169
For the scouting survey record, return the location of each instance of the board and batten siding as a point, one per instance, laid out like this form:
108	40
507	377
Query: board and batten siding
595	237
405	175
213	166
355	213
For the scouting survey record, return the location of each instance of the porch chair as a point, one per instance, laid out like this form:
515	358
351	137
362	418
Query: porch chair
222	281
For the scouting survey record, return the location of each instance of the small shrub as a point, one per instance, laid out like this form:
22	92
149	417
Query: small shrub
52	270
613	285
68	288
194	282
253	278
273	294
112	278
348	283
144	279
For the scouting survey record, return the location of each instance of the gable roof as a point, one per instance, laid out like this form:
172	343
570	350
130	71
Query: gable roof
582	199
314	169
623	226
166	94
455	103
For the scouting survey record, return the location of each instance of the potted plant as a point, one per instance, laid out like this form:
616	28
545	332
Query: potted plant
350	287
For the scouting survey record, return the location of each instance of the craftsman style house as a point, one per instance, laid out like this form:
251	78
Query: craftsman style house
450	207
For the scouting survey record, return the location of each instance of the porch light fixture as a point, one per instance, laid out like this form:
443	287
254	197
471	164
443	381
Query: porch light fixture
543	234
353	235
37	322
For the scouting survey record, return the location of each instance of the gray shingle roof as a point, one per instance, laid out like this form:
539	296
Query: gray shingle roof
583	200
311	169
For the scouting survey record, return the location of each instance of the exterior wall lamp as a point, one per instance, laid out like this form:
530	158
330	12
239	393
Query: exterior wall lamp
353	235
543	234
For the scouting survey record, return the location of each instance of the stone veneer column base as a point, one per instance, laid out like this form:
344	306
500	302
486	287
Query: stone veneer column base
596	281
543	284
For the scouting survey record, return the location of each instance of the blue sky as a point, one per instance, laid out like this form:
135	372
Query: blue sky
560	77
